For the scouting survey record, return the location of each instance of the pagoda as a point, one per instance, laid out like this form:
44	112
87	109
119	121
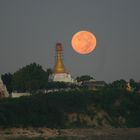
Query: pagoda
59	72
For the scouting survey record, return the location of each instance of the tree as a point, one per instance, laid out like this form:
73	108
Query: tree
49	71
135	85
84	78
7	80
119	84
30	78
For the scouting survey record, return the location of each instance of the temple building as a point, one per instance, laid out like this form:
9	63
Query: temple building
3	90
59	72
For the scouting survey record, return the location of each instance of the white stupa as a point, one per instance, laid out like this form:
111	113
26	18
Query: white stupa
3	90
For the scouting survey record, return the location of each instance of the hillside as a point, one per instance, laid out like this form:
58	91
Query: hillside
106	108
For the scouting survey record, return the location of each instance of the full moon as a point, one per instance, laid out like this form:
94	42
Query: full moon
83	42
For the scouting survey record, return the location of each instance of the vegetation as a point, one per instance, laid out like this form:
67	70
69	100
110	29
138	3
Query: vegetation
84	78
119	84
7	80
134	85
111	105
31	78
51	110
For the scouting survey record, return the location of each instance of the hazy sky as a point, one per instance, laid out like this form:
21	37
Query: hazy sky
29	30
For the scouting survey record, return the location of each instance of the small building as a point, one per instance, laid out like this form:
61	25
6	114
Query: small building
17	95
93	85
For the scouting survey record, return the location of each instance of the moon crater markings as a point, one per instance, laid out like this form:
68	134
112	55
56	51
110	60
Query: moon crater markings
83	42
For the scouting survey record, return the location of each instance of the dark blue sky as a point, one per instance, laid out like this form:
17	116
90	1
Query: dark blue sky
29	30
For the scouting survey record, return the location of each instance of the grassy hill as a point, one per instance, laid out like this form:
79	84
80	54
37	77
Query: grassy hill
104	108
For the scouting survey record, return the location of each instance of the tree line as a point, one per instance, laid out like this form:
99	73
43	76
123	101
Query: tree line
33	77
53	110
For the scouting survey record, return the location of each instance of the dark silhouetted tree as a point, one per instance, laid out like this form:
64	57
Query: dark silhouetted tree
84	78
30	78
7	80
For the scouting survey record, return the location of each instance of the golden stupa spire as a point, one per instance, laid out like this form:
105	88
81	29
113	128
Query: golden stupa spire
59	67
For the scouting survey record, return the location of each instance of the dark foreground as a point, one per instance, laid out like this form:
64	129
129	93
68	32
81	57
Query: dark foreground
70	134
73	109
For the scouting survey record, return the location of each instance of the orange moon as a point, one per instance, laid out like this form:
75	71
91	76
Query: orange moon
83	42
